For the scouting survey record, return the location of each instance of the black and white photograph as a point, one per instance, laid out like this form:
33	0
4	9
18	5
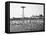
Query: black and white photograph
26	17
22	17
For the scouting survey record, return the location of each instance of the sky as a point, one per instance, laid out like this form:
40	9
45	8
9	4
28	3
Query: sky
29	10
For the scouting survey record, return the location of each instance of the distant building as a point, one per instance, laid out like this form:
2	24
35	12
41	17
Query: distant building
37	17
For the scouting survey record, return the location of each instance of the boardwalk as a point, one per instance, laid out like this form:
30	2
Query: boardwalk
34	25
